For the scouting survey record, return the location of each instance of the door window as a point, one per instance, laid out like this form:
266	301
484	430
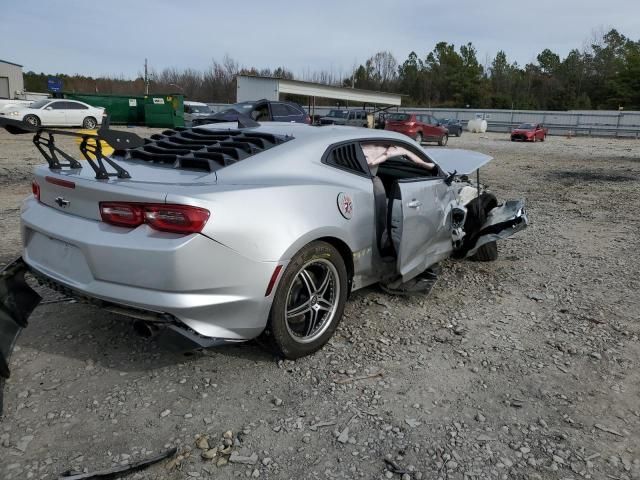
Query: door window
398	161
278	110
75	106
58	105
293	111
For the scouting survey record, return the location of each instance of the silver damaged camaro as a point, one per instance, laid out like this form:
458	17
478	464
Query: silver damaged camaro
227	232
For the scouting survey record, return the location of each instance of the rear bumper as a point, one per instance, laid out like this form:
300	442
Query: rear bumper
201	283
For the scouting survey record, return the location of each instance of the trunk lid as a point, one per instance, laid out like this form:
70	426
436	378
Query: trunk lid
78	192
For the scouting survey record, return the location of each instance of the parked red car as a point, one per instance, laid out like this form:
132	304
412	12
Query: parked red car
529	132
420	127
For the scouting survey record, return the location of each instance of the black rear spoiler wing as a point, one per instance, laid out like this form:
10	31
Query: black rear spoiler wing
91	150
17	302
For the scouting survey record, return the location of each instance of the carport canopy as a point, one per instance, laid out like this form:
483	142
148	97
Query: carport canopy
253	88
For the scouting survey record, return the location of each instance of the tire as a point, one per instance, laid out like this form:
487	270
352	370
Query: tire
32	120
419	137
543	138
294	335
89	123
486	253
459	133
443	140
478	209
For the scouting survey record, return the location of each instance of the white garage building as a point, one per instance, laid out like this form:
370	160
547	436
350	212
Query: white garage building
11	81
251	87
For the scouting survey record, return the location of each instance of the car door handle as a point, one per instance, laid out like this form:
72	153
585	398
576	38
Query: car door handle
414	204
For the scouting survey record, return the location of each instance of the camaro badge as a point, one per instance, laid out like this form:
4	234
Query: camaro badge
345	205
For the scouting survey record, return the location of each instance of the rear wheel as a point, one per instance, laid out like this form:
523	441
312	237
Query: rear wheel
419	137
89	123
32	120
309	301
443	140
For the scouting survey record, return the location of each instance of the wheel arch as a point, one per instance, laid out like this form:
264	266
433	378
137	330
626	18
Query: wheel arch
333	239
347	256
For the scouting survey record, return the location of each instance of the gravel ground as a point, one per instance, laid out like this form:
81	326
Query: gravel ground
523	368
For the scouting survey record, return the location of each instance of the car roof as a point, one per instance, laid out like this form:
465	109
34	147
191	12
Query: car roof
329	134
199	104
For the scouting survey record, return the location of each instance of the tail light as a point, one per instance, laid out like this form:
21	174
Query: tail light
35	189
159	216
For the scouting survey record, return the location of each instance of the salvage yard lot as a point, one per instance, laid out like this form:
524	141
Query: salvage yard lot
527	367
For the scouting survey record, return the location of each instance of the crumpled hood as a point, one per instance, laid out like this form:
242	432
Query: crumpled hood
464	162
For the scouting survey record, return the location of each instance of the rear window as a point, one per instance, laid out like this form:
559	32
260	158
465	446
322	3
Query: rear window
398	117
205	149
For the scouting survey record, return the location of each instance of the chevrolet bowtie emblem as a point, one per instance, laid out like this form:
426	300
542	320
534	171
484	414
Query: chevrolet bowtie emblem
62	202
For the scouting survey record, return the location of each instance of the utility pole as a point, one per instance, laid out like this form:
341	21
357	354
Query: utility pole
146	78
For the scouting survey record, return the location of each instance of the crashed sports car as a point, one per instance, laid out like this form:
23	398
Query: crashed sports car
232	231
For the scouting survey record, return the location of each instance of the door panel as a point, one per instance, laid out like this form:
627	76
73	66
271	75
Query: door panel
76	113
53	115
425	235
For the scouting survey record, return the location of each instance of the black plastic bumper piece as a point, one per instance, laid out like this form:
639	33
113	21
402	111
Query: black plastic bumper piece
17	302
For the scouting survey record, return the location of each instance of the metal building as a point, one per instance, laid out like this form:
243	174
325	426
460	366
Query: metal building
255	88
11	81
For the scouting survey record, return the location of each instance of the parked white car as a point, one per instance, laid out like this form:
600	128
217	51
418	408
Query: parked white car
57	113
195	110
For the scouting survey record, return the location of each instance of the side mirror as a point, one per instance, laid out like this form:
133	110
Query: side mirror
450	177
49	108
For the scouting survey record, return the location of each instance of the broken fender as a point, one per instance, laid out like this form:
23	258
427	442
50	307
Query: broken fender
17	301
502	222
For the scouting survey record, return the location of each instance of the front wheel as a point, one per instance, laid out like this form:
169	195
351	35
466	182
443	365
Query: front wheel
32	120
308	302
89	123
419	137
443	140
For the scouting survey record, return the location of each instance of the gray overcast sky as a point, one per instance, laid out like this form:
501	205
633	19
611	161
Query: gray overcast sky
113	37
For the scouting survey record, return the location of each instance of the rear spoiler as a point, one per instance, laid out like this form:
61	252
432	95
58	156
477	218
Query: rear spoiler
90	147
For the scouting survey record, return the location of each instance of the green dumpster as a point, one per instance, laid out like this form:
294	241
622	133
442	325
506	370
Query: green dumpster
164	110
124	109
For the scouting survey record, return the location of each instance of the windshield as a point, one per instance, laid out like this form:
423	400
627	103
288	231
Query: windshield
526	126
200	108
242	107
338	113
39	104
398	117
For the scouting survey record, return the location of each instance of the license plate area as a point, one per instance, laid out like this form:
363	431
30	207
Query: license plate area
57	258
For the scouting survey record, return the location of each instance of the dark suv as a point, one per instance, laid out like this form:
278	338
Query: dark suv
353	118
260	111
420	127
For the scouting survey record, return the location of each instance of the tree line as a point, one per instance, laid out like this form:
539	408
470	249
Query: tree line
604	74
